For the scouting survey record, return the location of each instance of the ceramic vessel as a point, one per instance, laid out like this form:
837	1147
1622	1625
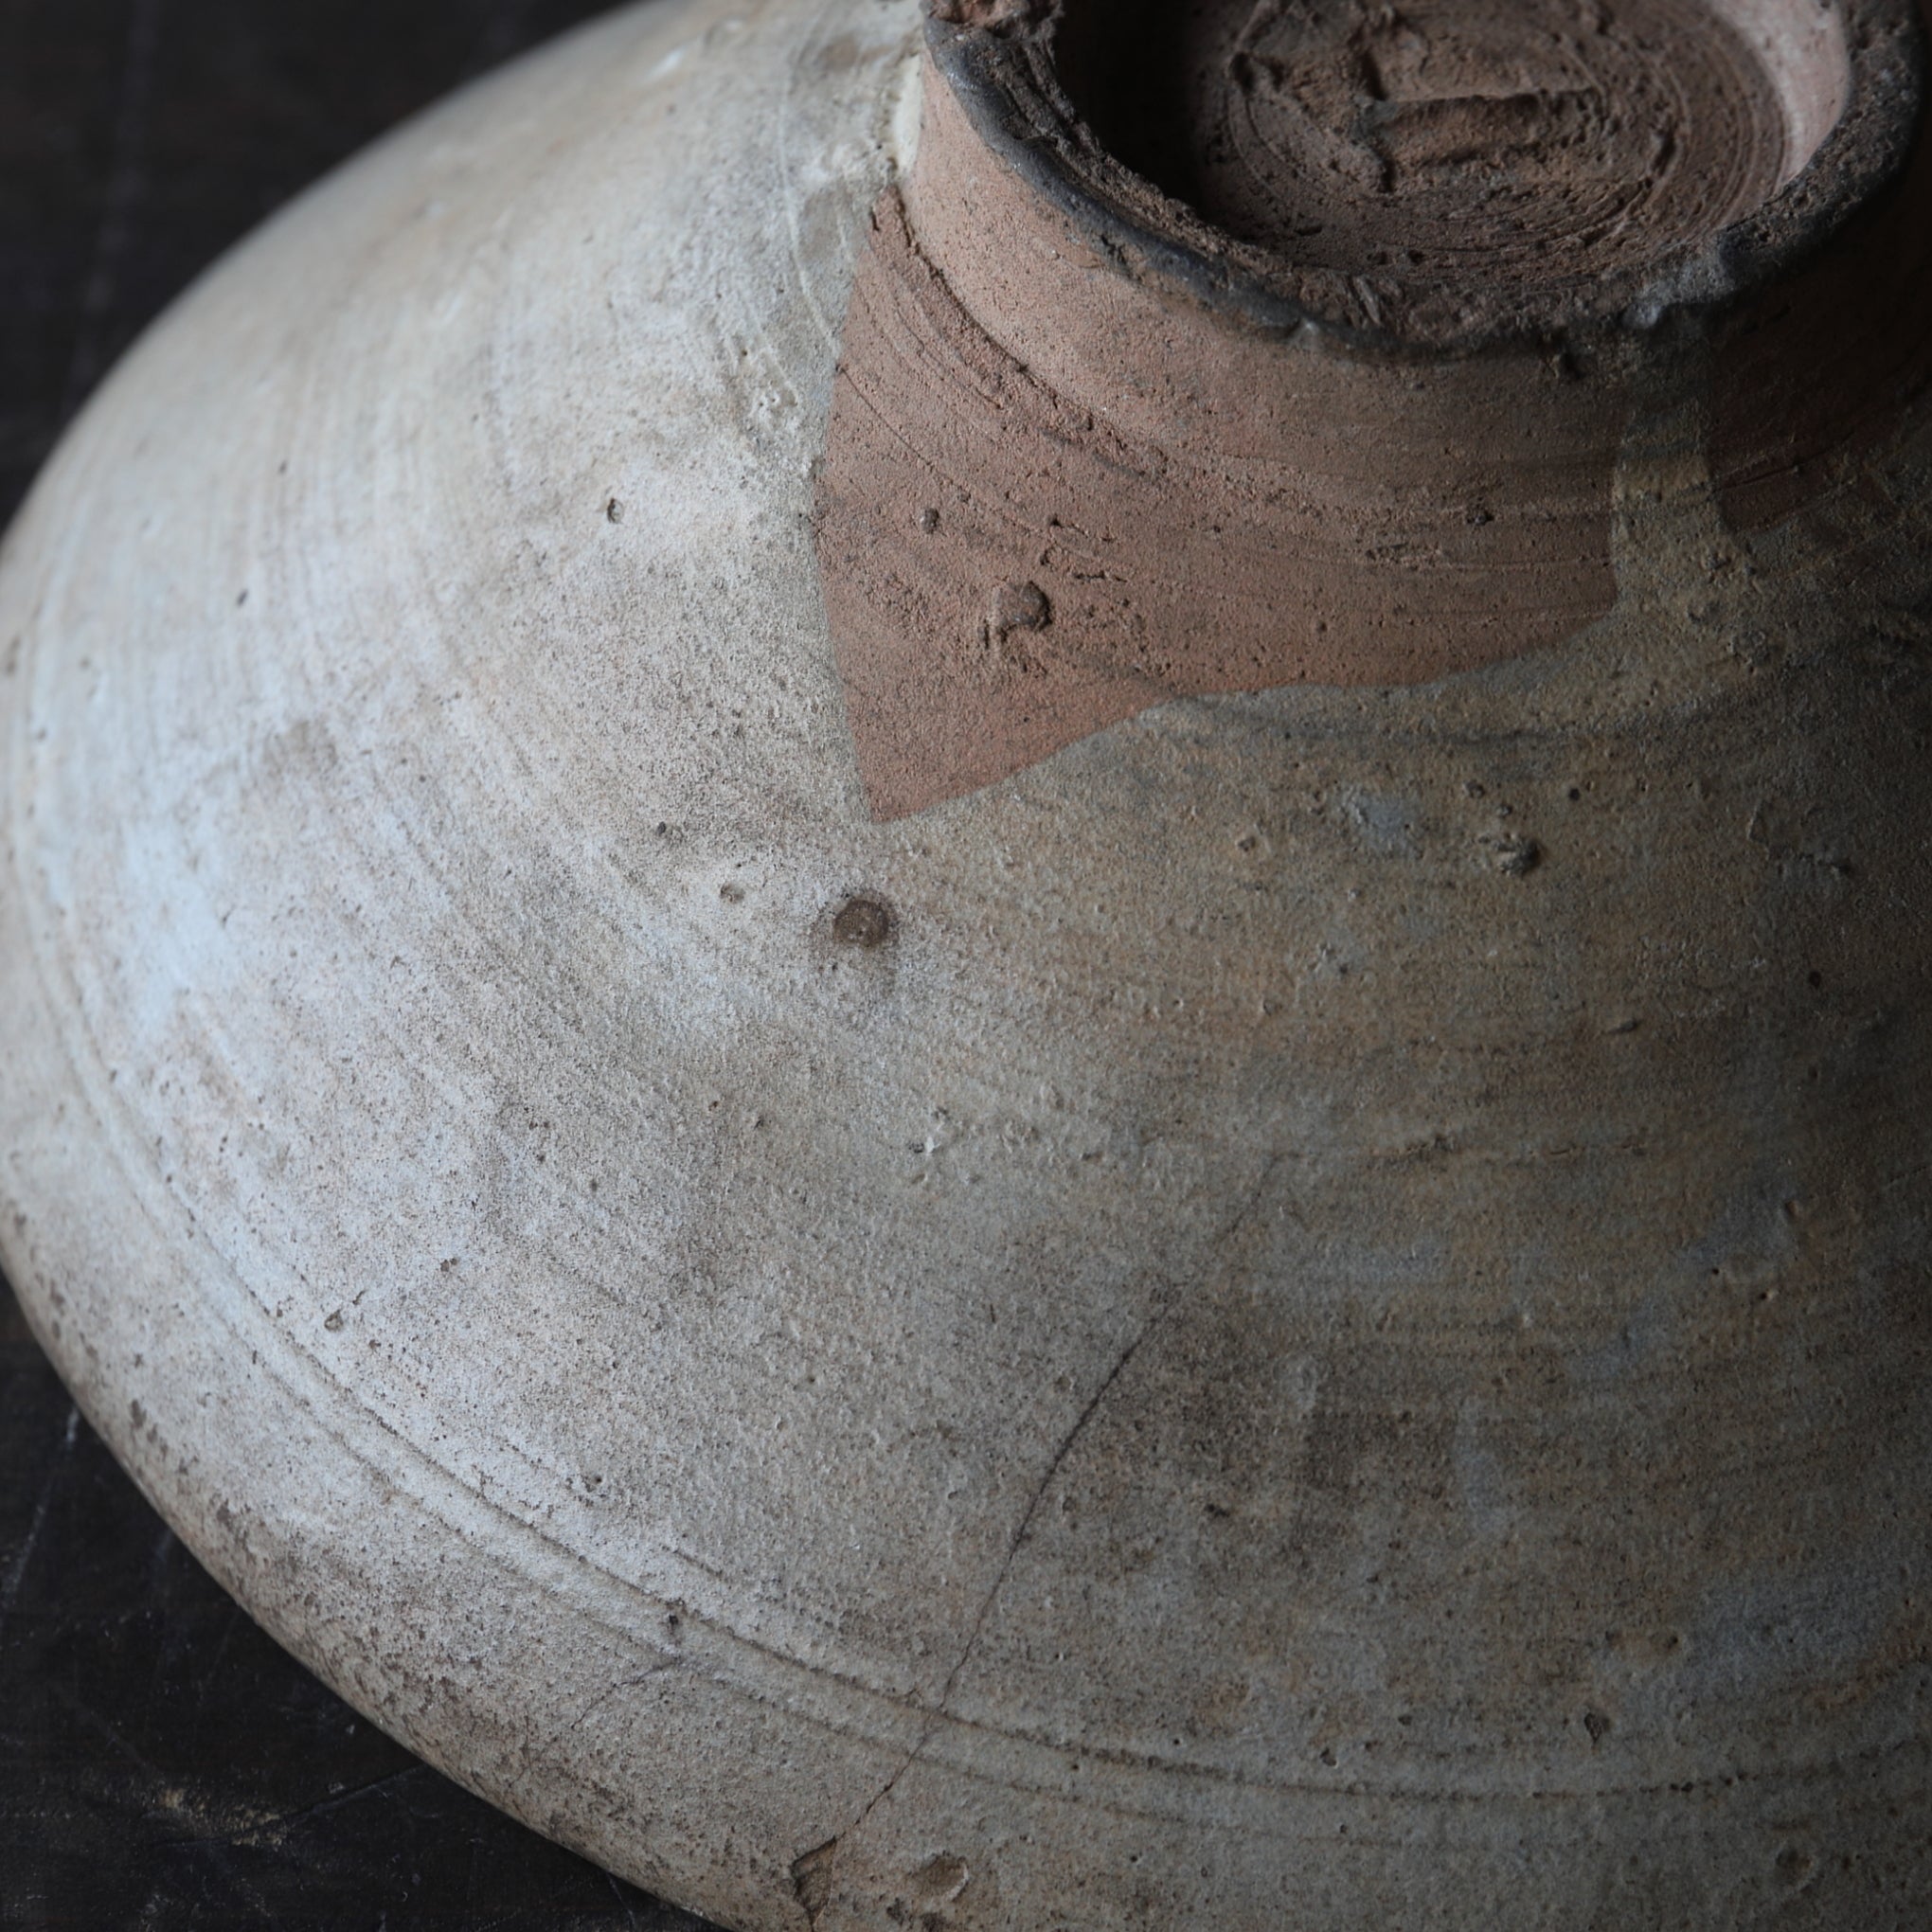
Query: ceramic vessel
975	973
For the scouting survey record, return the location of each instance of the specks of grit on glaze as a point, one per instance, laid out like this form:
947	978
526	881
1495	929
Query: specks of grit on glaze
1185	1330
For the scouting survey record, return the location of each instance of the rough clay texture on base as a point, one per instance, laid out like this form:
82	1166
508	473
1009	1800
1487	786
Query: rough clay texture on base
1057	492
1313	1309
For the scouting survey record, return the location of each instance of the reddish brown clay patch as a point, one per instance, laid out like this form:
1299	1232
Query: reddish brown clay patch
1012	562
1066	480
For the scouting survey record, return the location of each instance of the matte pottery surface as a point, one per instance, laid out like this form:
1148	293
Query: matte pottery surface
162	1762
1312	1299
167	1766
165	1762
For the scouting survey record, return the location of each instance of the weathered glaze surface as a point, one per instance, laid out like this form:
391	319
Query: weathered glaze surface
1311	1311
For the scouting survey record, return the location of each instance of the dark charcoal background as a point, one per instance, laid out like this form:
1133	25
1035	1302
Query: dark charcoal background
162	1763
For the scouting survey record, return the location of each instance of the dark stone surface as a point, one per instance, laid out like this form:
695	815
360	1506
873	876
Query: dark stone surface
163	1763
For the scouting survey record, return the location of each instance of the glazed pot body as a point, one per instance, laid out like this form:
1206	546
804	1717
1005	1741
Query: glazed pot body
1313	1309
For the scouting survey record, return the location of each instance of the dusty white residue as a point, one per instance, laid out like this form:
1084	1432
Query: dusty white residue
909	103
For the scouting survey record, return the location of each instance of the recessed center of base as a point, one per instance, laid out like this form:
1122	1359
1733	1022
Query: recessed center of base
1535	143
